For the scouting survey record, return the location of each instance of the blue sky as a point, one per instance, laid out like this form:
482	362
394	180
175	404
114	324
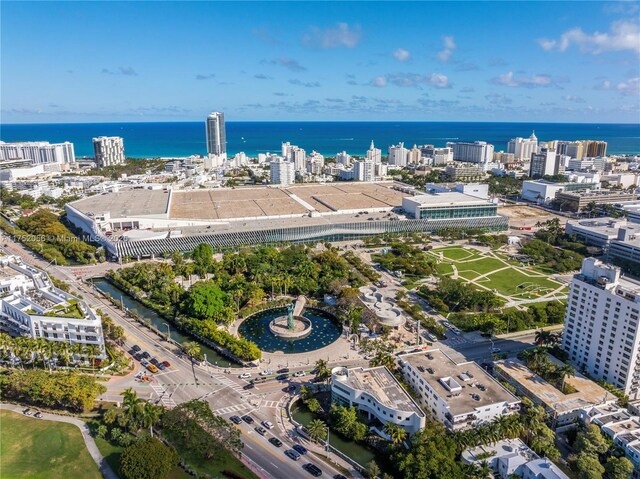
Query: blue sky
431	61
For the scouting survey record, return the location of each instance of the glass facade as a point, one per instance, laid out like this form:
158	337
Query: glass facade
473	211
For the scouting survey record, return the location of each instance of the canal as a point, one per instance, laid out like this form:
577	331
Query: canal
213	357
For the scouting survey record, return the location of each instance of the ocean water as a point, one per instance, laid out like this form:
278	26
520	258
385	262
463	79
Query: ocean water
186	138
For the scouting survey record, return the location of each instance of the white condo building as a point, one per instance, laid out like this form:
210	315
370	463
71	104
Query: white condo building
343	158
476	152
374	154
30	305
545	163
216	134
378	393
459	395
364	170
39	152
601	326
282	172
398	155
109	150
523	148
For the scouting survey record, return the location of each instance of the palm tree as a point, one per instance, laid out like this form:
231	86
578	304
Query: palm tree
396	433
92	352
39	348
542	337
484	470
150	415
565	371
322	370
383	359
192	349
317	430
132	404
6	343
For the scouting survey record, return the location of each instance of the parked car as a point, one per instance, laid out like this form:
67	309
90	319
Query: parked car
275	441
300	449
267	424
27	412
312	469
282	377
260	430
248	419
283	370
235	419
245	376
38	415
292	454
298	374
136	348
167	364
266	372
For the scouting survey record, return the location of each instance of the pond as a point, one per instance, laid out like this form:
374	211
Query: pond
324	331
359	453
159	322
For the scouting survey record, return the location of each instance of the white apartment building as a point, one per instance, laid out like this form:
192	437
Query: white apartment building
109	150
364	170
398	155
282	172
30	305
216	134
343	158
459	395
374	154
601	326
314	163
476	152
39	152
545	163
378	393
523	148
414	155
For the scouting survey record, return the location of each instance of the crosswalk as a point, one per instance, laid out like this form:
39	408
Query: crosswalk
221	378
234	408
269	404
165	399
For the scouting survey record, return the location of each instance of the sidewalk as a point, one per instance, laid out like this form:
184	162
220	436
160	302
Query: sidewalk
105	469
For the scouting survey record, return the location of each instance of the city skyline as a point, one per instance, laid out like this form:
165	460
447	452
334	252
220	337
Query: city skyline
569	62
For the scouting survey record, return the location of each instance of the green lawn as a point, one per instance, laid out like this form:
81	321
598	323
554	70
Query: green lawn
444	268
512	282
35	448
457	253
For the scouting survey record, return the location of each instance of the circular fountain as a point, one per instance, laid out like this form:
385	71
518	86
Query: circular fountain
290	326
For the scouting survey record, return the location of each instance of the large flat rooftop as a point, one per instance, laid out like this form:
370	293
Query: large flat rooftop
448	199
587	394
442	374
126	203
381	384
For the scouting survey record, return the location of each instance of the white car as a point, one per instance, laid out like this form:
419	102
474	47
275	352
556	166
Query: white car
266	372
298	374
245	376
267	424
495	350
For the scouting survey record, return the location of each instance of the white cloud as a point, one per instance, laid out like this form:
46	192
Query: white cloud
289	63
573	98
439	80
511	80
401	54
605	85
631	87
623	35
340	35
379	81
449	46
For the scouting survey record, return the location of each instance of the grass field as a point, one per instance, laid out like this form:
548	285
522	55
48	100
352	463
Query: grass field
38	449
502	275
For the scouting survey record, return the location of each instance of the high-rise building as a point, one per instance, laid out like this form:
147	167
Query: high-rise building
282	172
108	150
299	158
592	148
575	149
364	170
314	163
343	158
414	155
602	326
523	148
545	163
476	152
39	152
398	155
216	134
374	154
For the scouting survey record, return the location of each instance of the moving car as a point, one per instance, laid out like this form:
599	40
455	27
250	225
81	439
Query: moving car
235	419
248	419
161	366
154	361
245	375
312	469
283	370
136	348
266	372
339	476
167	364
260	430
282	377
292	454
275	441
298	374
152	368
145	355
249	386
300	449
267	424
495	350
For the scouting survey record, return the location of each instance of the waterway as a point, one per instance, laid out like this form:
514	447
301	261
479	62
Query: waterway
359	453
324	331
213	357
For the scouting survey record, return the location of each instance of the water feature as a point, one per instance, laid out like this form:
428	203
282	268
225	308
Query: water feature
158	321
359	453
325	330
